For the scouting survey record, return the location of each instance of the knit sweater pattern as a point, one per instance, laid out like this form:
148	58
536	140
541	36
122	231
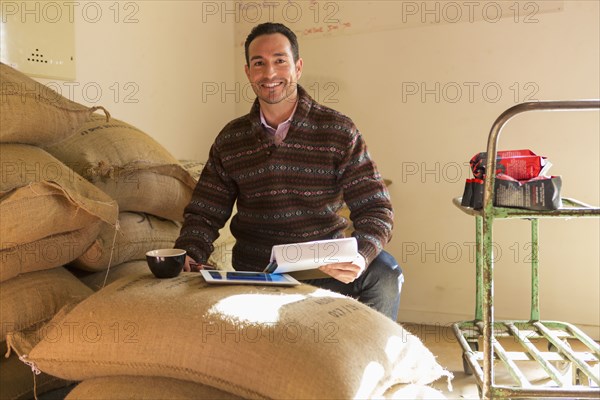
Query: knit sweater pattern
290	192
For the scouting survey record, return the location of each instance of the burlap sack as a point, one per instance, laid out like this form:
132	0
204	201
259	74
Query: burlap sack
41	198
143	388
47	253
34	114
35	297
38	210
138	233
128	165
252	341
16	380
97	280
193	167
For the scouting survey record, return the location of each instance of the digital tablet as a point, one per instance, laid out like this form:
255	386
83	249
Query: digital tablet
247	278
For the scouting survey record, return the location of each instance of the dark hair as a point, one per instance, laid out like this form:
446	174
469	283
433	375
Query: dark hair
269	28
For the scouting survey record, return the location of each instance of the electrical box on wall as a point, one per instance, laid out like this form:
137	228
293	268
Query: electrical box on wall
38	38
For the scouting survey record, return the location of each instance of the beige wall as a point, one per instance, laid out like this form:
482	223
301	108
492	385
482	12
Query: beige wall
177	61
423	145
147	62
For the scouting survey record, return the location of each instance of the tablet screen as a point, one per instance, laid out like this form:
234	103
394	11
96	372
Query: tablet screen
233	277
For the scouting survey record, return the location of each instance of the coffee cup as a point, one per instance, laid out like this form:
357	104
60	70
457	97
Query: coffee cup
166	263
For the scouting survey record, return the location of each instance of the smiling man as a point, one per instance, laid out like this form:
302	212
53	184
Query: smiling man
290	164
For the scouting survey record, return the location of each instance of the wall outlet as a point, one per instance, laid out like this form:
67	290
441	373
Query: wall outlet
38	40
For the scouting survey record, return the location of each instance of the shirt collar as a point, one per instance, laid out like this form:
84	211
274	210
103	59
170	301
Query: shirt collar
264	122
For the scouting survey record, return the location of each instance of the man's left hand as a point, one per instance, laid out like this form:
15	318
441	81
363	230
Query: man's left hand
345	272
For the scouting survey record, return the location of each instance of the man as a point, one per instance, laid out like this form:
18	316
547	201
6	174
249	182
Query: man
290	163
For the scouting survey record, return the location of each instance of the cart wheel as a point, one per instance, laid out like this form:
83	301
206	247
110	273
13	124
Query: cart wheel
466	368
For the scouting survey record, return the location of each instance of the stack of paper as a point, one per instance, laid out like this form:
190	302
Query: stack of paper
293	257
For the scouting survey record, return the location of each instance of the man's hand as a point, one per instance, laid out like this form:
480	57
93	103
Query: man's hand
191	265
345	272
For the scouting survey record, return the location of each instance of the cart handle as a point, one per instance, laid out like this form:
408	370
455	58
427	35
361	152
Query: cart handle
492	145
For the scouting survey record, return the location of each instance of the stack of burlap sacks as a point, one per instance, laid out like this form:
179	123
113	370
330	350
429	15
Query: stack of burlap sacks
79	191
83	197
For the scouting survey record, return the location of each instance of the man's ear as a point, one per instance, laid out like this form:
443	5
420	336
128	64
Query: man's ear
247	71
299	66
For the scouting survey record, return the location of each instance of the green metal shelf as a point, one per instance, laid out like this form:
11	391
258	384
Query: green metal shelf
559	337
571	209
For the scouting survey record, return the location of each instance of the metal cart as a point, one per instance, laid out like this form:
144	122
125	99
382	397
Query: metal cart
558	337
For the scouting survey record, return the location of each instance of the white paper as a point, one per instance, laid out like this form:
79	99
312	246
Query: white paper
309	255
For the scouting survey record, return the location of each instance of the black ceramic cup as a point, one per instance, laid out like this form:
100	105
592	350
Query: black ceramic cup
166	263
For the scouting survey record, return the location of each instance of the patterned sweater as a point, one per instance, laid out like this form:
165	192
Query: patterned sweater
290	192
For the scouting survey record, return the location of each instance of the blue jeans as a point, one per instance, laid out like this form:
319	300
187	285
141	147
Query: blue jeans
378	287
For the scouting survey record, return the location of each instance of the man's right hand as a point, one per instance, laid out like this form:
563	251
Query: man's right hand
187	267
191	265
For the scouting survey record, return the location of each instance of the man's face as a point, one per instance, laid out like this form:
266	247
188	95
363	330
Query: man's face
272	70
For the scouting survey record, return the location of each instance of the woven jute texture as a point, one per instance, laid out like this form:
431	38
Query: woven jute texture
40	200
252	341
35	114
35	297
128	165
145	387
138	233
47	253
98	280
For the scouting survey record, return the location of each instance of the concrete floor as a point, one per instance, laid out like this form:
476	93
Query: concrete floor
440	340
